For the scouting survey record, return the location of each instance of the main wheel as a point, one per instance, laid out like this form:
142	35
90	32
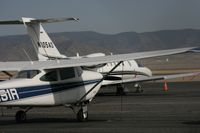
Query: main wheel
82	116
138	88
120	91
20	116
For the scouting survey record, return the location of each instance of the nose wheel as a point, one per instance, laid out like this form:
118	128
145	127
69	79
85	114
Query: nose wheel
20	116
82	115
81	112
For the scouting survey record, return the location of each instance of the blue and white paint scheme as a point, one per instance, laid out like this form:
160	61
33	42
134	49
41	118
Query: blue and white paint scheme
41	90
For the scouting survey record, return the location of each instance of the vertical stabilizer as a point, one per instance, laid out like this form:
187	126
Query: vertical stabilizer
43	45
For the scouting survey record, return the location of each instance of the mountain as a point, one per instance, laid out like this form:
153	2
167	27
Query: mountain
69	43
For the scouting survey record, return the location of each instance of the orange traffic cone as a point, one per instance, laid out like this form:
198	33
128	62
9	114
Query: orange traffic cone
165	87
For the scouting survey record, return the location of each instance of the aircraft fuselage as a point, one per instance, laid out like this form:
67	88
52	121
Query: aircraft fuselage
37	92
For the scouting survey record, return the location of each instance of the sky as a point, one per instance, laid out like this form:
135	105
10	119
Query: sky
103	16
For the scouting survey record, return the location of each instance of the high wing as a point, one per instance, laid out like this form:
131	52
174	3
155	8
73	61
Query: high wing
152	78
51	64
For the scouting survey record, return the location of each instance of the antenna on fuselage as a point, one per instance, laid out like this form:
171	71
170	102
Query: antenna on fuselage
77	55
29	58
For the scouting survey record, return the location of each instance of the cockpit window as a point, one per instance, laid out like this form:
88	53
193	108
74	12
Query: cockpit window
50	76
28	74
66	73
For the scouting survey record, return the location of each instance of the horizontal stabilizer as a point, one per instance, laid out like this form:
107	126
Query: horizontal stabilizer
53	20
50	20
11	22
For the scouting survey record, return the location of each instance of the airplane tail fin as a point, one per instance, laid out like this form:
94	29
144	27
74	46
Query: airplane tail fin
43	45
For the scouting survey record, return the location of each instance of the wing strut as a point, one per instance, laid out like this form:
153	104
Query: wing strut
105	76
7	73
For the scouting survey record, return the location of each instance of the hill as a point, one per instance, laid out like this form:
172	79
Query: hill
69	43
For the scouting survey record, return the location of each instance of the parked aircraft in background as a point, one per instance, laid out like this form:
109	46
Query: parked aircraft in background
128	71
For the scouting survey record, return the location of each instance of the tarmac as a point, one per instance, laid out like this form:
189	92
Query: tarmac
154	111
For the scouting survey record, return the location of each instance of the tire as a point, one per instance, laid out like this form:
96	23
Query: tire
81	117
20	116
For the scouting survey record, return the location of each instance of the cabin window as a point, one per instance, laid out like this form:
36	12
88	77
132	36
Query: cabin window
66	73
28	74
50	76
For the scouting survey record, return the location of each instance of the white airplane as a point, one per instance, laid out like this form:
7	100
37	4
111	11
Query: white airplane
62	82
128	71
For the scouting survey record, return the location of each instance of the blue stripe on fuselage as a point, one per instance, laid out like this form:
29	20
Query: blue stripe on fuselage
26	92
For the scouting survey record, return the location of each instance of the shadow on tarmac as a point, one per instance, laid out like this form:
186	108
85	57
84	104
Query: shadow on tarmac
47	121
192	122
105	94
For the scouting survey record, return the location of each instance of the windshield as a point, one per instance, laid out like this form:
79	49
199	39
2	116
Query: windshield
28	74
